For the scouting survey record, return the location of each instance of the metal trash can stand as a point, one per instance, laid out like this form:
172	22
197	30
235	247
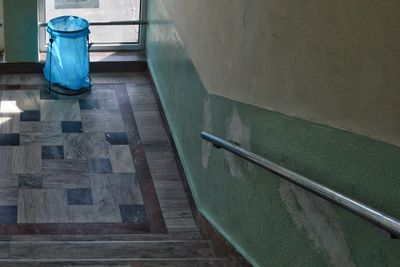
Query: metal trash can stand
67	60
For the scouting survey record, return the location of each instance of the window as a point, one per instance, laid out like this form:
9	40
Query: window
112	21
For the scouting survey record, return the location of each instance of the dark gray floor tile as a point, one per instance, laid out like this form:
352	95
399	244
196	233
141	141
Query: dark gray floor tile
30	181
8	214
116	138
100	166
133	213
80	196
71	126
9	139
52	152
30	115
89	104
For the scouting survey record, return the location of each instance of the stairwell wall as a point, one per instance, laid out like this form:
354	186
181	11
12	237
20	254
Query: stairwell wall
270	221
20	31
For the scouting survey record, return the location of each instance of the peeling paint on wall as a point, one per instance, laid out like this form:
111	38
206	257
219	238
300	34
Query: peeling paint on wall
319	220
206	146
238	133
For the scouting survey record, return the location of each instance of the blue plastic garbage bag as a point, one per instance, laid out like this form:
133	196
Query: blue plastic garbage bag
67	60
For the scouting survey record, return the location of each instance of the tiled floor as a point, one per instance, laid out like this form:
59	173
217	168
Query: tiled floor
97	163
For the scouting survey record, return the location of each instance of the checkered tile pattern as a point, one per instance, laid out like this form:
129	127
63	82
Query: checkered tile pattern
66	160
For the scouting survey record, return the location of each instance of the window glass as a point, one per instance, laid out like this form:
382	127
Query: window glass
100	10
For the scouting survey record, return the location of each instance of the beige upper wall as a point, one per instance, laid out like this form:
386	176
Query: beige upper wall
333	62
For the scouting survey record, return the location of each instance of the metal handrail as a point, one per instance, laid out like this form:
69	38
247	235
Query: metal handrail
108	23
378	218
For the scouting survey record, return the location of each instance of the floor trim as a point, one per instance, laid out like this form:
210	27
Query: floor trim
173	145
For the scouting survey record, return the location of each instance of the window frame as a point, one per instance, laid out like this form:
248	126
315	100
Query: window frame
112	46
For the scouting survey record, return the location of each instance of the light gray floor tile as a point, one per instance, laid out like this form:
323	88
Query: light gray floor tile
102	121
40	127
107	99
94	213
142	96
177	213
66	180
137	78
9	116
23	79
40	133
133	89
26	159
8	180
121	159
162	164
151	127
116	189
68	166
25	99
42	206
8	196
9	122
43	139
85	146
59	110
5	251
5	159
9	106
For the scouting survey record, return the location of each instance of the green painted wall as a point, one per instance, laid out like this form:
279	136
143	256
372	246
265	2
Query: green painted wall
20	30
1	28
270	221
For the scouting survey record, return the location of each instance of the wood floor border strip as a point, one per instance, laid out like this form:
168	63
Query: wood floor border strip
149	194
72	228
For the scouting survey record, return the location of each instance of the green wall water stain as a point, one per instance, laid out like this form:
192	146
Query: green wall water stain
20	31
251	208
